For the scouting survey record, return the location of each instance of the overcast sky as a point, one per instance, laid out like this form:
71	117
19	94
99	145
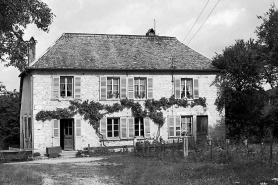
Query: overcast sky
230	20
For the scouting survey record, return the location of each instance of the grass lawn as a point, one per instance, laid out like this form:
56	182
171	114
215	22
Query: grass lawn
10	174
127	169
150	171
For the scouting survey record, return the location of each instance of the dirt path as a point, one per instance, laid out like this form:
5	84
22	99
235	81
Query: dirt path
76	171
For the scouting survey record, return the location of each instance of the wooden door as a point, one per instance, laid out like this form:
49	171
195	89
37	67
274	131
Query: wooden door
68	134
202	128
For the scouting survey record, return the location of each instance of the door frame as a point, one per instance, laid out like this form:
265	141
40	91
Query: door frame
62	131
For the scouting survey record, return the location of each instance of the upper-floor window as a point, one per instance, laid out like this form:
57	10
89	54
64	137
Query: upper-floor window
187	88
113	88
140	88
66	86
126	87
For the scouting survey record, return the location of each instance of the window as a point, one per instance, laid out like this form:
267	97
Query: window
186	122
113	127
186	88
139	127
179	123
140	88
66	86
113	88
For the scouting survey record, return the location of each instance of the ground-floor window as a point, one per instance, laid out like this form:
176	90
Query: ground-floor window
186	123
113	127
139	127
178	124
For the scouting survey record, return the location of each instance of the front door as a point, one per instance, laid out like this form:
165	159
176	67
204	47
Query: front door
202	128
68	134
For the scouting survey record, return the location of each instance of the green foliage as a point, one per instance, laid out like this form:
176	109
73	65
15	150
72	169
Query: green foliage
268	40
239	87
9	122
15	15
94	111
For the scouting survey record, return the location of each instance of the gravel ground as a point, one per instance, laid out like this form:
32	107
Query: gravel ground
76	171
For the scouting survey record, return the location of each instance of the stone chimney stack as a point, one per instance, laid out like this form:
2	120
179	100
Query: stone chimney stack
31	50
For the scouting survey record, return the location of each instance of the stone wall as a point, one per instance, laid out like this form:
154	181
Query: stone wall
90	90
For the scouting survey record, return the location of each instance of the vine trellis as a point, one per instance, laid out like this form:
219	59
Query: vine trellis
95	111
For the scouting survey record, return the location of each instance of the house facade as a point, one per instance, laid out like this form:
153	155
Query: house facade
108	68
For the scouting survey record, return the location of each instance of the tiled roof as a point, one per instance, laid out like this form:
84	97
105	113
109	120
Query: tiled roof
128	52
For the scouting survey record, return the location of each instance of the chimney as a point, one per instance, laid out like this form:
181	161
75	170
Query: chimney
150	32
31	50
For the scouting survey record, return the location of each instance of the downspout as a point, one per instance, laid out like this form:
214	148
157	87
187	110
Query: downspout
32	112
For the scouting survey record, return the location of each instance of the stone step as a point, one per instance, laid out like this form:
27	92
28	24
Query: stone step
68	154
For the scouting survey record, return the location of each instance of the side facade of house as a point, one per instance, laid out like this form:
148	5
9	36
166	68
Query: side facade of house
106	69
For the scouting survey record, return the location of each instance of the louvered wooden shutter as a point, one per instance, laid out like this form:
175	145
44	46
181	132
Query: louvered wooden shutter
123	124
177	88
147	127
78	135
103	127
131	128
150	88
103	88
178	124
55	94
196	89
77	87
130	88
171	125
56	132
123	87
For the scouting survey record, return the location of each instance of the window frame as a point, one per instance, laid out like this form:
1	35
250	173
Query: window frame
139	88
66	87
113	131
180	126
187	123
112	88
141	128
185	90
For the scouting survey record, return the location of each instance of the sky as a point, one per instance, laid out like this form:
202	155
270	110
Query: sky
229	21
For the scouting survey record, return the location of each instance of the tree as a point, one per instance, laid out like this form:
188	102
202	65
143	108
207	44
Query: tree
268	40
9	122
239	85
15	15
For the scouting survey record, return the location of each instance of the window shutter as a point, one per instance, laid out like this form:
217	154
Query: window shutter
77	87
147	127
131	128
103	127
130	88
56	132
177	88
171	125
123	128
178	124
55	88
103	88
78	127
150	88
196	89
78	135
123	87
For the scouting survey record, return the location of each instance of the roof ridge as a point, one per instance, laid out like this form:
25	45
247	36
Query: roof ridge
118	35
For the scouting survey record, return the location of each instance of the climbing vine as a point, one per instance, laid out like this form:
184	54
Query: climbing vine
95	111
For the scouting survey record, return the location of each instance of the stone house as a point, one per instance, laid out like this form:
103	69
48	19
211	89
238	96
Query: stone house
107	68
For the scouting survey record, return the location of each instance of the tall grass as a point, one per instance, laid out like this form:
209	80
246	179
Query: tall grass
23	175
